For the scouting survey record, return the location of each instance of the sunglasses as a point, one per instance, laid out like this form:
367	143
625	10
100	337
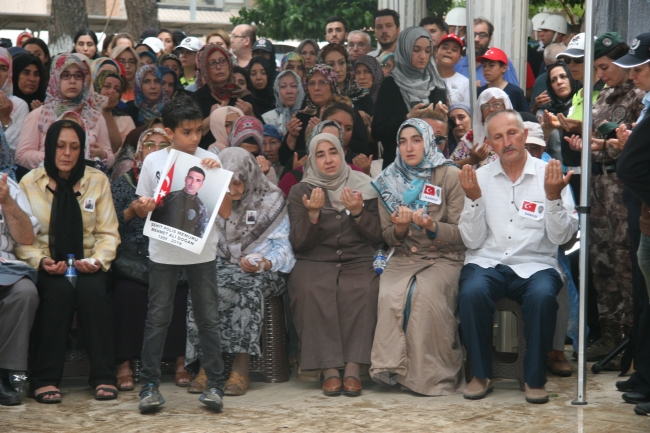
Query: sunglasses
577	61
439	139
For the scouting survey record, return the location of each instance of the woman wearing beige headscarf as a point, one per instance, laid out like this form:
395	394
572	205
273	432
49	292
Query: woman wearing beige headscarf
335	229
221	121
128	57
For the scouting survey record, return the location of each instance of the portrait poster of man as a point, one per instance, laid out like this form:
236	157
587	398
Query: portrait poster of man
188	197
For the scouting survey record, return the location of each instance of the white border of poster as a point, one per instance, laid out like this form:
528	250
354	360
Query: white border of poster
212	193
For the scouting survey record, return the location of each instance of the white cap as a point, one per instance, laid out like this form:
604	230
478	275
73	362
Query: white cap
576	47
537	19
191	43
456	17
555	23
535	134
154	43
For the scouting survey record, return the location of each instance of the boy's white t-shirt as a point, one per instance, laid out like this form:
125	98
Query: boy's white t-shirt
458	88
163	252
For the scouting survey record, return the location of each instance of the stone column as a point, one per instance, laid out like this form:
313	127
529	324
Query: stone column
627	17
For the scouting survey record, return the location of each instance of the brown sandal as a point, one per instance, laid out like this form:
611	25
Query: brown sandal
121	380
199	384
236	384
183	375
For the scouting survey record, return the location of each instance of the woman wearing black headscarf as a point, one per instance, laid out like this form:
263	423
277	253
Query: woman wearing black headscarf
561	87
78	224
29	82
261	74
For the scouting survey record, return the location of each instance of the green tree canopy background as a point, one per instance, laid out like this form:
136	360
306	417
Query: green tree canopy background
300	19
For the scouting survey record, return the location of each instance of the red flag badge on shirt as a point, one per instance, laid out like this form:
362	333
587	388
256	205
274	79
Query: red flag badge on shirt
429	190
167	185
529	206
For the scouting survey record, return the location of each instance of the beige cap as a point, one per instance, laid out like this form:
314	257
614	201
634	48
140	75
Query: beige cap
535	134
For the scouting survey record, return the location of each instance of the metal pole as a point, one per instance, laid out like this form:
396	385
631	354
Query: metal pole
470	53
192	10
583	209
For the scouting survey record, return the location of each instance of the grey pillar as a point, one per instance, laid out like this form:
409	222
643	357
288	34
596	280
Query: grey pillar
410	11
627	17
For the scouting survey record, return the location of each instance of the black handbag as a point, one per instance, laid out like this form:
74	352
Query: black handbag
132	263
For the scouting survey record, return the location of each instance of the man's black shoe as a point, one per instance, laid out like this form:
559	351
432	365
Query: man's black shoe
635	398
625	385
642	409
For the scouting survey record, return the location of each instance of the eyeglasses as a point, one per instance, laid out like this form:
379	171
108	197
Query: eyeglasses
482	35
439	139
214	63
533	147
320	83
131	62
236	36
494	106
151	144
78	76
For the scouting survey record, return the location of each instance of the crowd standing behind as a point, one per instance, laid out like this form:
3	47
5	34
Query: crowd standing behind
339	151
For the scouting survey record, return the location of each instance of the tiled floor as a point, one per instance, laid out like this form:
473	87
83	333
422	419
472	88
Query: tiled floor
297	406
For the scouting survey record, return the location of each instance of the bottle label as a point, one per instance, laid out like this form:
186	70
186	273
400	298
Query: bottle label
71	272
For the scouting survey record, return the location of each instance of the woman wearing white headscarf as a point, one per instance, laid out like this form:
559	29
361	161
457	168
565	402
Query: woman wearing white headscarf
289	95
416	340
409	90
333	288
473	147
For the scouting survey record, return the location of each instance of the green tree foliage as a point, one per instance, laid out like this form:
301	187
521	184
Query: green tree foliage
300	19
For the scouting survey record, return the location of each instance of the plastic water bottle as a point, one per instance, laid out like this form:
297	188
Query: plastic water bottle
379	264
71	271
18	380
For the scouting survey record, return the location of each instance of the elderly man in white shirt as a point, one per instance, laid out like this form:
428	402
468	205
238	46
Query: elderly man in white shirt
512	235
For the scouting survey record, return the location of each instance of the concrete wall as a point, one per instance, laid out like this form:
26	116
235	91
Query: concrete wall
410	11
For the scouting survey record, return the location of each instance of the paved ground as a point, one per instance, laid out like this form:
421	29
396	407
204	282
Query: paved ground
297	406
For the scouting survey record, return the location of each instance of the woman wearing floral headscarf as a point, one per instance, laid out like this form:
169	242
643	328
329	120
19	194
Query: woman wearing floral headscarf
338	58
289	96
13	110
416	340
413	87
172	62
293	62
322	90
253	256
149	97
67	91
216	87
130	297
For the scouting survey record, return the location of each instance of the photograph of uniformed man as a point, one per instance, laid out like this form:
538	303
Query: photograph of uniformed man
183	209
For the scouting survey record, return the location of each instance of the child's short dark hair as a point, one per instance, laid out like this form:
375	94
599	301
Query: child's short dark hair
180	109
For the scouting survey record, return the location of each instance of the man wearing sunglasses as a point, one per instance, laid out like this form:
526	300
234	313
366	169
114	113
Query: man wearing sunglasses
440	127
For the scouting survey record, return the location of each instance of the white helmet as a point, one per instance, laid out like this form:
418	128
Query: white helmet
555	23
456	17
537	19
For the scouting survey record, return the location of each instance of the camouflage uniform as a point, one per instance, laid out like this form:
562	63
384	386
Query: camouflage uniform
609	247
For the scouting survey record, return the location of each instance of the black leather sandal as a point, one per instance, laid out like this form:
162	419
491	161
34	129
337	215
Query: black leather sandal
112	396
41	397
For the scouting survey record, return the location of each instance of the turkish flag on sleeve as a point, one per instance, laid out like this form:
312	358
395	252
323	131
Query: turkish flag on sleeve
529	206
167	184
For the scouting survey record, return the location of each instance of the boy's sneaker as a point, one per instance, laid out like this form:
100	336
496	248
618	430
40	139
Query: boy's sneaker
150	398
213	398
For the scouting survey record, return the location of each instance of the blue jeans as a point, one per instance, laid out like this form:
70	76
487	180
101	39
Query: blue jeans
202	281
480	288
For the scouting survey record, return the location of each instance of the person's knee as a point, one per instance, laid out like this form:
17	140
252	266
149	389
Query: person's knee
472	288
27	294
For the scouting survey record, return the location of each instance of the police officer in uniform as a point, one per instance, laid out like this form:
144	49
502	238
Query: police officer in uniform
183	209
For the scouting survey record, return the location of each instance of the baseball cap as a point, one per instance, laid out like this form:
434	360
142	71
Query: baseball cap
154	43
606	43
272	131
639	53
264	45
535	134
494	54
190	43
576	47
452	37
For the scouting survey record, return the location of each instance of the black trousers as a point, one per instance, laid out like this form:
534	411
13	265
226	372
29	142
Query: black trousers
59	300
